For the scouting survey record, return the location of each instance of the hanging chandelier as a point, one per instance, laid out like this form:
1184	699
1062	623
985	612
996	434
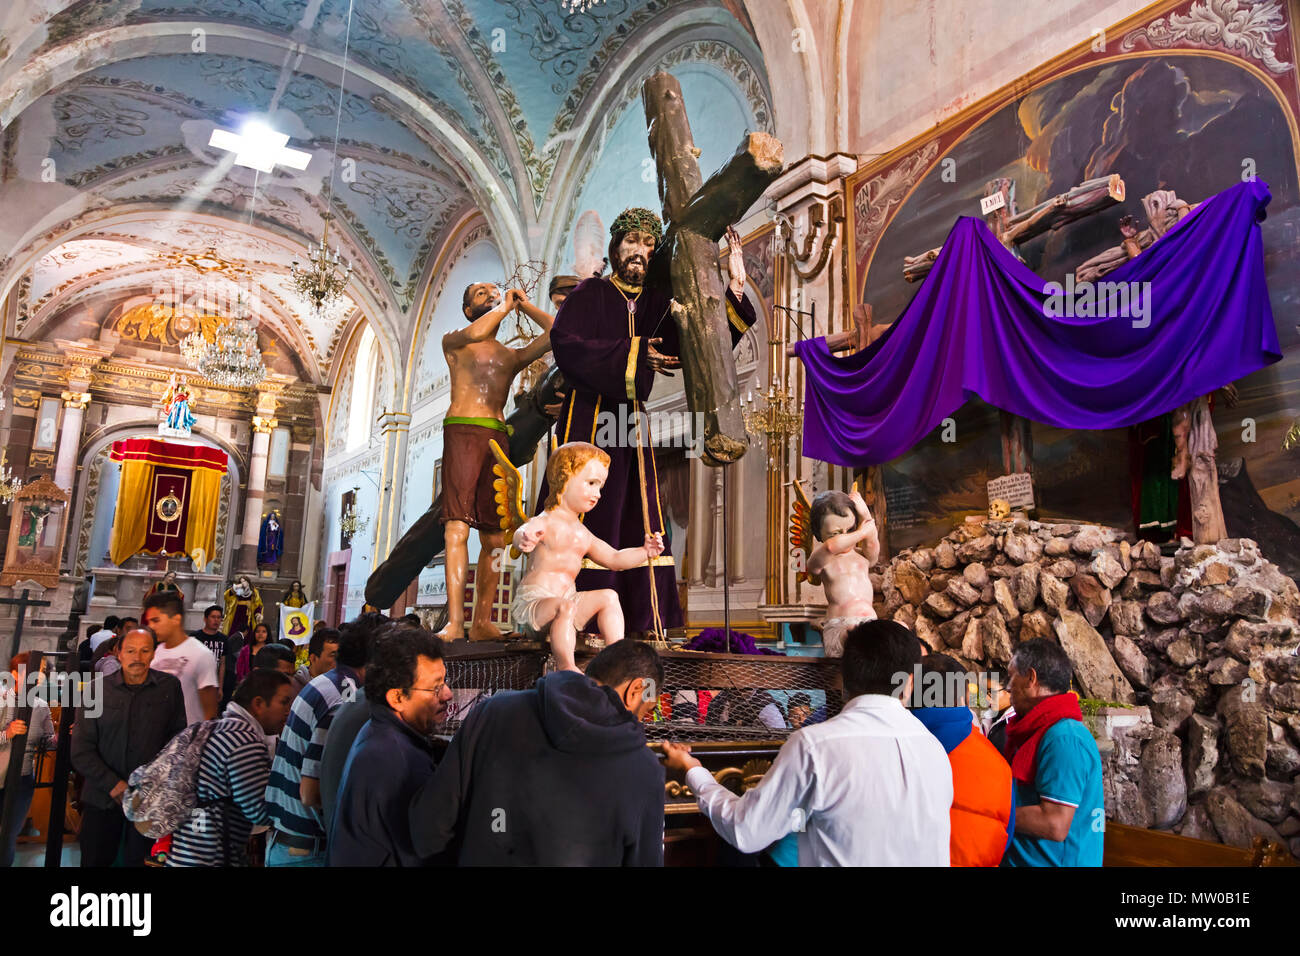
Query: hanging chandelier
578	6
233	357
9	485
321	282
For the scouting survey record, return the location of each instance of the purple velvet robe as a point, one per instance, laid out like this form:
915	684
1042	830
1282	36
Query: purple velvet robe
604	367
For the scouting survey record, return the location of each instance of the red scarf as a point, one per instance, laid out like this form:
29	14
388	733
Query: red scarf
1025	732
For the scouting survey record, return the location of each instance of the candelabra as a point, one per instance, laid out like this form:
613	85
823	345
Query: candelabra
321	283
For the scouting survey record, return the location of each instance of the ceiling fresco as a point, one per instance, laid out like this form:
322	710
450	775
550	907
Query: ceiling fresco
449	105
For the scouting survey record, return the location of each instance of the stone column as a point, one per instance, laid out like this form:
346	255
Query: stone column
396	429
810	275
255	491
65	462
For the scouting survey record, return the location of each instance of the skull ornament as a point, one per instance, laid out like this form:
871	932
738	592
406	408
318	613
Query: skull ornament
999	510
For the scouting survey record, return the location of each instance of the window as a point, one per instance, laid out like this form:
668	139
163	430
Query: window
362	406
278	460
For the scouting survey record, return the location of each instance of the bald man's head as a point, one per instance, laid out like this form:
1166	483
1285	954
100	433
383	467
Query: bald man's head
135	654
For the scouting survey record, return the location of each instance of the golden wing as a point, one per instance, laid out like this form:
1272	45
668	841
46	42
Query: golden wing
509	488
801	536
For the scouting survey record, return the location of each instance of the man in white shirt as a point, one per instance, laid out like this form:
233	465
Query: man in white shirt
108	631
184	657
868	787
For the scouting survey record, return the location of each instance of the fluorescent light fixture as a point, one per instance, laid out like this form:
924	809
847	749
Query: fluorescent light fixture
259	147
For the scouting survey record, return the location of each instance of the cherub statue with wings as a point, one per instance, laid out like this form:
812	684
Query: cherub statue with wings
547	603
838	523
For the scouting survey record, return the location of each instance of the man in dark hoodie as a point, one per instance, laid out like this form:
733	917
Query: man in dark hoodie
558	775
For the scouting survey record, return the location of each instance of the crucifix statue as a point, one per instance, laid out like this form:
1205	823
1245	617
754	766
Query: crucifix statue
1013	228
1193	429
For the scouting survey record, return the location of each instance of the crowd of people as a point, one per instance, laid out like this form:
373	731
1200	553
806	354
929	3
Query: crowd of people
339	761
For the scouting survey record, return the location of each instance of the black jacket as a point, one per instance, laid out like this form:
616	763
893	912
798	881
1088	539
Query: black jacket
388	764
133	725
559	775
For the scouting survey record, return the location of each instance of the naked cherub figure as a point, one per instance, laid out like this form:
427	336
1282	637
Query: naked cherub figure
840	522
546	601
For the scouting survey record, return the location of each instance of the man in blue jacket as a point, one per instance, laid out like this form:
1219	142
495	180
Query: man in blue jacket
558	775
393	755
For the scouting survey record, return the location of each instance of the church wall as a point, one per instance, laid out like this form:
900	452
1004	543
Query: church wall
124	369
910	65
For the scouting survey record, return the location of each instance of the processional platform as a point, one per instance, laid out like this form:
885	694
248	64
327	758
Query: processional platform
727	736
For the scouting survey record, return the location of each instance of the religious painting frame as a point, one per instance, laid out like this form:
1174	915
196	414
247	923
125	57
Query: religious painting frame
45	434
1100	107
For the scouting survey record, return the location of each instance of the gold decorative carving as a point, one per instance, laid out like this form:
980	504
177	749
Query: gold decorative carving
42	489
169	508
75	399
40	459
42	572
262	425
27	397
165	324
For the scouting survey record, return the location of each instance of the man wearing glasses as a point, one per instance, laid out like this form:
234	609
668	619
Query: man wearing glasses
393	754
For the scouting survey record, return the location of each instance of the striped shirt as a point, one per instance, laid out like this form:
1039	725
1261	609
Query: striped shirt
233	770
291	752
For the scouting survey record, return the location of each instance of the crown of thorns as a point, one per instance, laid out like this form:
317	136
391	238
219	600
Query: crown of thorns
642	220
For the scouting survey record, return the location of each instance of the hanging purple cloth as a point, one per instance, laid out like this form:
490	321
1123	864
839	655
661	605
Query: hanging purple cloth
1187	316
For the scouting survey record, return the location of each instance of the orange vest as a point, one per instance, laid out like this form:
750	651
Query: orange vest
981	802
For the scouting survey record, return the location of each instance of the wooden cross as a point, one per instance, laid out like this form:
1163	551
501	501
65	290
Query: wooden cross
22	603
697	214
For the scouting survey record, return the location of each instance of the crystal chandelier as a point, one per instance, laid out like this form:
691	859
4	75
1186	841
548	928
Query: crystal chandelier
233	357
320	283
775	416
9	485
578	6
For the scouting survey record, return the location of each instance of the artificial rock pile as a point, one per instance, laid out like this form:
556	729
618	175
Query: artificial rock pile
1201	646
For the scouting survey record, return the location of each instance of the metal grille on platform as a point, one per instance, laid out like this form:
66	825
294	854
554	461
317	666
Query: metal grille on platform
705	697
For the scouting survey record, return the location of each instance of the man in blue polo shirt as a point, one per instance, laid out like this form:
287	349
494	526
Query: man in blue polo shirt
297	837
1060	813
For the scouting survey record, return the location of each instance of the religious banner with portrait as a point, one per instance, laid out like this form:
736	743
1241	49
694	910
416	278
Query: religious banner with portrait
167	498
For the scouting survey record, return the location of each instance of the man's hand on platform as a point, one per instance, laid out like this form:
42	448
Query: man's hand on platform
678	757
658	361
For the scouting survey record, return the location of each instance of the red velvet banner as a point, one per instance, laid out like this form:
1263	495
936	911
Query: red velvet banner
169	511
162	453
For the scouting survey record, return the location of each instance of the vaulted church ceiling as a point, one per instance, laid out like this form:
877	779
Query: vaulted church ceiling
450	105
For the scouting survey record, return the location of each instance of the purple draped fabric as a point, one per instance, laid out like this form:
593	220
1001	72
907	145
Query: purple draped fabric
983	324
